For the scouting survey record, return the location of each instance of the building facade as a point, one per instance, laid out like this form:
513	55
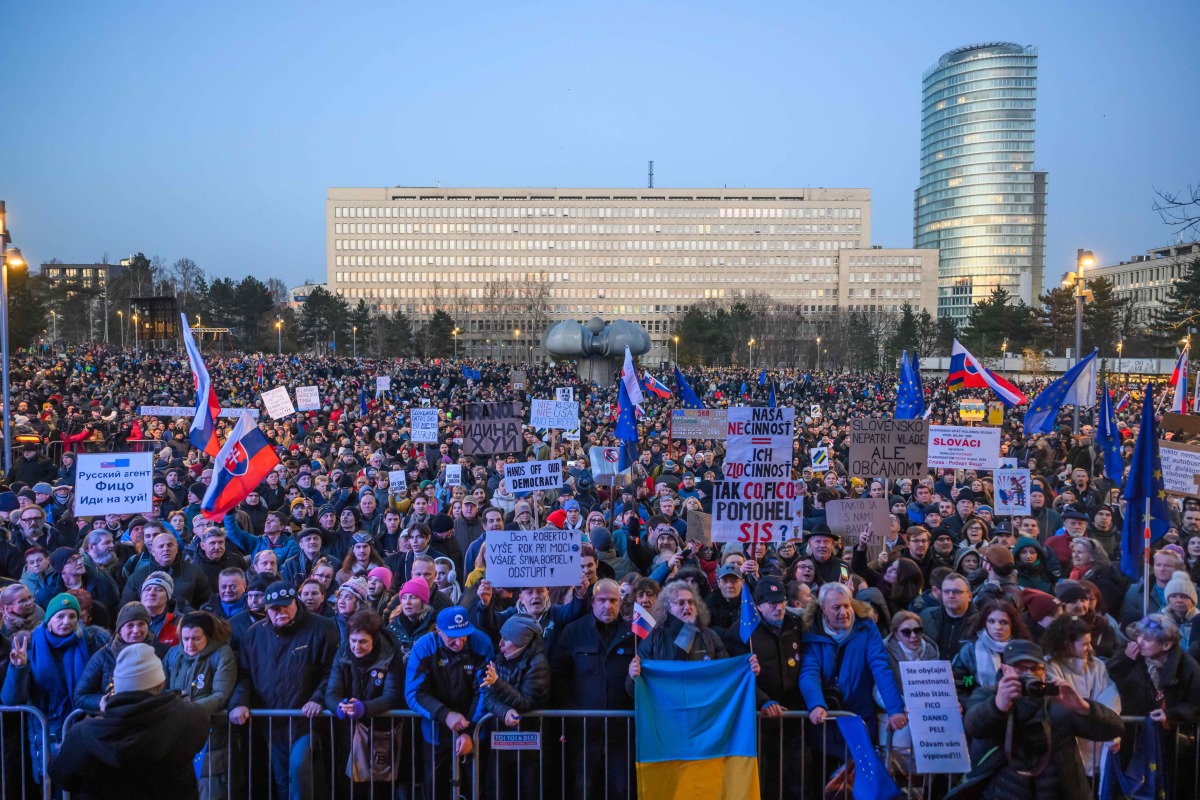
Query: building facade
507	263
980	203
1144	280
85	276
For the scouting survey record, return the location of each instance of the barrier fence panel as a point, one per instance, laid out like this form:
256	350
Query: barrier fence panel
22	727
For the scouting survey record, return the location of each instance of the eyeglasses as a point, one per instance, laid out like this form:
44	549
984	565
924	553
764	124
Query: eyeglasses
31	519
910	631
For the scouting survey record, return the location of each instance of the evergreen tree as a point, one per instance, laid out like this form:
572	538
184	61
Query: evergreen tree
1102	318
28	310
1180	308
324	319
1056	320
439	342
906	336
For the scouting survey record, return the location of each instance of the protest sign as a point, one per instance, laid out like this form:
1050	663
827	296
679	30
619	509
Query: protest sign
383	383
1180	426
699	527
397	482
814	411
113	483
849	518
571	435
888	448
565	394
995	413
957	447
972	410
560	414
423	424
491	428
1008	463
939	741
528	476
1181	468
308	398
518	379
759	443
278	403
519	559
699	423
453	475
819	456
1012	492
753	510
190	411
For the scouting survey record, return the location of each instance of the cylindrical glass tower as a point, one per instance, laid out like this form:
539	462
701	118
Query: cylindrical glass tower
980	203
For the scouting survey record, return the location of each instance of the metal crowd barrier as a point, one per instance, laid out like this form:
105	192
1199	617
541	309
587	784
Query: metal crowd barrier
18	778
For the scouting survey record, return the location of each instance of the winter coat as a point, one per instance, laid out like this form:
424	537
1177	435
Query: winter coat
854	668
284	546
101	587
1180	686
192	588
945	631
1111	583
96	680
1037	575
522	683
723	612
591	663
1091	679
439	680
779	656
489	620
207	679
141	748
377	681
407	631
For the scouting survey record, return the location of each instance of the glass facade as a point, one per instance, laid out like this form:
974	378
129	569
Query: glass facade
980	202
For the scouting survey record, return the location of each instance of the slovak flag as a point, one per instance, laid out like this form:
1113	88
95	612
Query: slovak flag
238	469
643	623
1123	403
203	433
1179	379
967	373
655	386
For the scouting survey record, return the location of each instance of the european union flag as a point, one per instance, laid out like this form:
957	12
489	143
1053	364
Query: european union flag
771	398
626	424
362	401
1077	387
1144	779
871	778
910	398
762	378
689	398
1109	437
745	388
471	374
750	616
1146	514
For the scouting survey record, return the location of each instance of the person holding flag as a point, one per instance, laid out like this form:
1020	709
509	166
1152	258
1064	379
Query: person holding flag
239	467
1179	379
1108	436
910	397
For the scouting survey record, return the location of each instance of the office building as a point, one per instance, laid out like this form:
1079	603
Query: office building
980	202
1144	280
83	276
501	261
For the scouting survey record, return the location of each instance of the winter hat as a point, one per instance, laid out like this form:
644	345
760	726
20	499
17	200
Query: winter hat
356	587
326	509
198	489
1000	557
60	602
1071	592
441	523
416	586
131	612
557	518
280	594
42	488
964	494
137	669
261	582
601	539
1180	583
384	574
520	630
60	557
1039	604
161	579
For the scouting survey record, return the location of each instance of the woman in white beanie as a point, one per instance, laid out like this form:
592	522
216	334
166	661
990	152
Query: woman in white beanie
1181	608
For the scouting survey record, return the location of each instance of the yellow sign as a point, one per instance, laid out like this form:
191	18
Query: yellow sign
972	410
995	413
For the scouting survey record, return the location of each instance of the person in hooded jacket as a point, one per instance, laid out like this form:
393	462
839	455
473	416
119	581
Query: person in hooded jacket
95	687
203	669
1033	567
515	683
143	745
367	679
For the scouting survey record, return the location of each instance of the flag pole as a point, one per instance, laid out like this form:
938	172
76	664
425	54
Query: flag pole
1146	560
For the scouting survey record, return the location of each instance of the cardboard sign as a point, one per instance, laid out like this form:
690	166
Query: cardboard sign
753	510
1012	492
518	379
1180	425
759	443
423	425
956	447
492	428
849	518
113	483
699	527
397	482
383	383
529	476
699	423
190	411
1181	468
453	475
565	394
819	456
939	741
888	448
278	403
519	559
560	414
308	398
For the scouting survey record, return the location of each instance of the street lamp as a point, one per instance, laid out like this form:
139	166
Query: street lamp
818	354
1003	353
121	323
1083	259
54	325
676	349
136	332
279	333
9	257
455	334
517	336
354	341
1120	347
750	344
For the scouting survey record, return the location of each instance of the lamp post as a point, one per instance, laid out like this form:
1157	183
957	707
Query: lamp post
818	354
750	344
121	323
136	332
517	337
1003	354
279	333
9	257
455	334
1083	259
354	341
54	326
676	349
1120	347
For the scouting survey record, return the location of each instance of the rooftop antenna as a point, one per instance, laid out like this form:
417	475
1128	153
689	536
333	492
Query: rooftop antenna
650	178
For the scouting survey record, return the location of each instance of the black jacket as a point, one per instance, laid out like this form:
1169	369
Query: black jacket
96	680
240	623
378	680
778	652
522	683
660	645
212	569
141	748
591	663
723	613
1181	686
946	631
99	585
192	588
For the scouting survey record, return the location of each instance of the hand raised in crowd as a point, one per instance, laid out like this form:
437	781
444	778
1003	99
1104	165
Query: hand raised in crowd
489	675
484	592
19	655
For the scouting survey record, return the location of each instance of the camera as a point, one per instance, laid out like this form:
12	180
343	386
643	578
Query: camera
1034	687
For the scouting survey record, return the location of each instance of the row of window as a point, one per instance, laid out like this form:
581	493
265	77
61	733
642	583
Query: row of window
588	309
621	212
368	228
719	245
585	262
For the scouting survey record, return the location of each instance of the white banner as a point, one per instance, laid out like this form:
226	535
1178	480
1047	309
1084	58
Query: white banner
754	510
518	559
424	425
938	739
453	475
759	444
1181	468
113	483
959	447
529	476
190	411
1012	492
571	436
397	481
565	394
560	414
383	383
278	403
308	398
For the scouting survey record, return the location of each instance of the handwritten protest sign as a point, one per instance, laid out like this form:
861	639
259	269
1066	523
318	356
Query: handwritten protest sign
529	476
308	398
560	414
753	509
759	442
888	448
383	383
518	559
190	411
1012	492
958	447
1181	468
699	423
518	379
113	483
423	423
490	428
699	527
939	741
849	518
453	475
397	482
278	403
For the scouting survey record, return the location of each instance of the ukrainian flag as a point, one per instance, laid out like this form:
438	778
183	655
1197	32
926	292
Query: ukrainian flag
696	730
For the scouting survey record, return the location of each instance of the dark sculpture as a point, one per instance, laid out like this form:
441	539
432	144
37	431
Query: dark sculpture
599	348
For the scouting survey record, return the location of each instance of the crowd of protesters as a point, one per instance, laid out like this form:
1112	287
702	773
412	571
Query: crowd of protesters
326	591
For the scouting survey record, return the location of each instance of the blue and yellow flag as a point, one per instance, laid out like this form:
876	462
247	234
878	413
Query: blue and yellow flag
696	730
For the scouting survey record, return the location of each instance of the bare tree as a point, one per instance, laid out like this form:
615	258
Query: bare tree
1180	210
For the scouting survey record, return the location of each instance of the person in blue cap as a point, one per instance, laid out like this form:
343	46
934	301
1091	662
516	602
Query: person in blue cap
444	684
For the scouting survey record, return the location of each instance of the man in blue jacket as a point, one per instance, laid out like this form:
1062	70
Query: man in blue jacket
445	670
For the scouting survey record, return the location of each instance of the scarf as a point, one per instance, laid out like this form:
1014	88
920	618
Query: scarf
58	685
911	654
14	624
987	658
839	637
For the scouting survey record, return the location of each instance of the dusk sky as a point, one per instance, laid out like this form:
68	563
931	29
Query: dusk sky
212	130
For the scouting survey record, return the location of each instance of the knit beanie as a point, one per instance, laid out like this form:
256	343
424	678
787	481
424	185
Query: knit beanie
1071	592
601	539
60	557
356	587
383	574
1180	583
163	580
131	612
137	669
60	602
1039	604
416	586
520	629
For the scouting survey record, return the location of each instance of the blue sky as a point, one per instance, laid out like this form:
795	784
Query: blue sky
212	130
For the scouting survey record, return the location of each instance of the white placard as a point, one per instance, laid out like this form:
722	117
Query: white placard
278	403
960	447
529	476
453	475
518	559
397	481
113	483
819	456
383	383
939	742
1008	463
1181	468
560	414
1012	492
190	411
753	510
308	398
424	425
759	444
571	436
565	394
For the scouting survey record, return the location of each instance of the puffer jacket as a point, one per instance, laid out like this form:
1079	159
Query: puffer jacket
207	679
376	681
96	680
438	680
855	667
522	683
